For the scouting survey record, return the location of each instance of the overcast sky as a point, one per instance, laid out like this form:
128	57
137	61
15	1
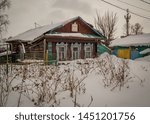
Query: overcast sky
24	13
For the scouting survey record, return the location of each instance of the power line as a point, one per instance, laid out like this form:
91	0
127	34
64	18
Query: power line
145	1
125	10
134	6
113	5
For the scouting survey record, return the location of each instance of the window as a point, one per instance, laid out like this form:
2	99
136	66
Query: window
61	53
75	27
88	51
75	53
75	48
61	49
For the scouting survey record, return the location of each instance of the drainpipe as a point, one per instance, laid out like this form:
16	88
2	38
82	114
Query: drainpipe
23	50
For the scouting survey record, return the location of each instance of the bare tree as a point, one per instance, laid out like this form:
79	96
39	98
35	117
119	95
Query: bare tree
4	4
136	29
106	24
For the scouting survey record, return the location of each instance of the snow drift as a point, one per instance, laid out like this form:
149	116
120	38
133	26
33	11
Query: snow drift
103	81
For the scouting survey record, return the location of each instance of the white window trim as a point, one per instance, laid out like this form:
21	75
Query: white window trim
74	27
65	49
88	46
79	49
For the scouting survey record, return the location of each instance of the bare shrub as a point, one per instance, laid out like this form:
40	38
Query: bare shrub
74	84
42	84
4	86
6	80
85	67
114	74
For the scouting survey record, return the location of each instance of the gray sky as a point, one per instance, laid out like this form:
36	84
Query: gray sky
24	13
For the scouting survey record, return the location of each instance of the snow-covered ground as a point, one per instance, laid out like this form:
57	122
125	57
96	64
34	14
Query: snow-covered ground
104	81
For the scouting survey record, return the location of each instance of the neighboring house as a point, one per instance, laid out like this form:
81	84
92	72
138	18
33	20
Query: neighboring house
69	40
131	47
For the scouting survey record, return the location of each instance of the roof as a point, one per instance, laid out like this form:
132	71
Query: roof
77	35
145	51
32	34
134	40
3	44
35	33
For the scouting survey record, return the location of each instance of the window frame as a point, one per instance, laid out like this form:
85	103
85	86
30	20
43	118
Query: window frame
74	27
88	51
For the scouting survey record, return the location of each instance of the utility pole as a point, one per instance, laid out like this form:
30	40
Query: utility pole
127	18
36	25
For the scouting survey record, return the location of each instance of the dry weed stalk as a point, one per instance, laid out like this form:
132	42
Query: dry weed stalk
114	74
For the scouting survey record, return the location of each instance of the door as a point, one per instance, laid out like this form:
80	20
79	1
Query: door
75	53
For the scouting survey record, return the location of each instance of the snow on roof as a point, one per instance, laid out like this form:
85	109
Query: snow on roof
5	53
32	34
145	51
73	35
3	44
134	40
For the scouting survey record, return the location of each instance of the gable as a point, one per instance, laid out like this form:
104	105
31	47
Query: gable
76	26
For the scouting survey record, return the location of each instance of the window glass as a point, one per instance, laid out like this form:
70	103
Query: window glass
75	49
88	52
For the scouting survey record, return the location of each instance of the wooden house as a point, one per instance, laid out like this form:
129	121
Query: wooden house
131	47
68	40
